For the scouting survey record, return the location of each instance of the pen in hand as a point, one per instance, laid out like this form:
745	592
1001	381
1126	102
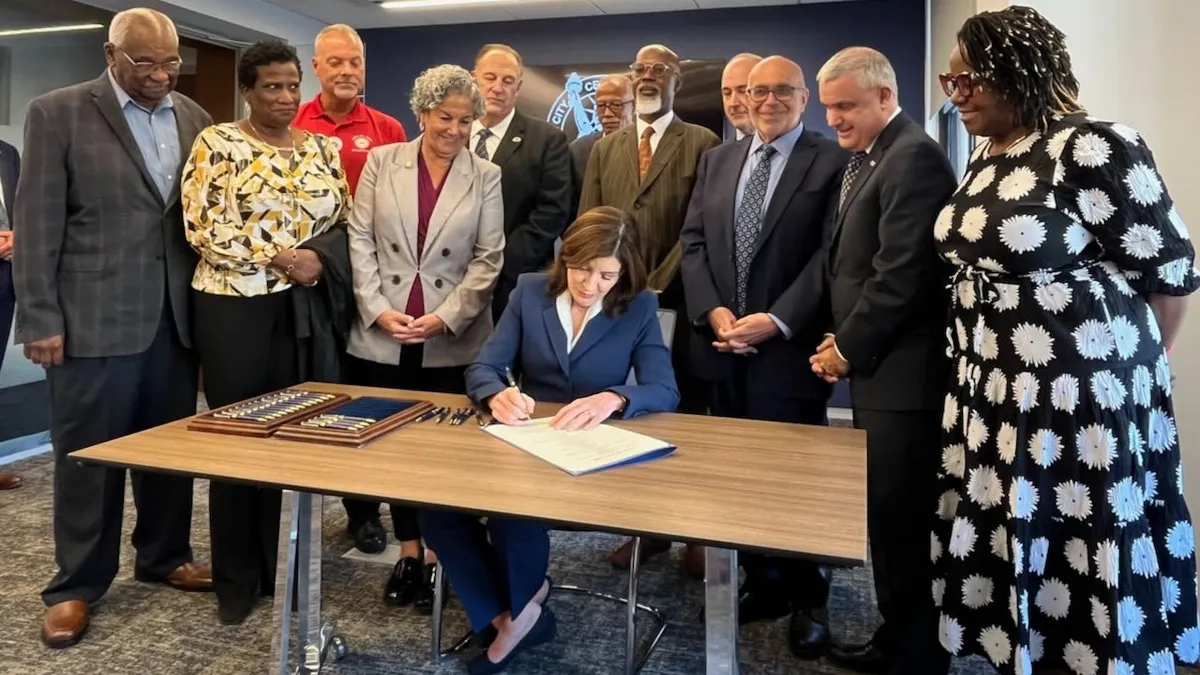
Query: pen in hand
512	382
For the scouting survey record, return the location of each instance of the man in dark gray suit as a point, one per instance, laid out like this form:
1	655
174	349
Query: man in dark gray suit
102	272
10	170
614	107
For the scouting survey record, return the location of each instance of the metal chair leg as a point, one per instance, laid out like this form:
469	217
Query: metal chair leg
439	592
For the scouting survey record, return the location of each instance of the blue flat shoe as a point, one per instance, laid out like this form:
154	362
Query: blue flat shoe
542	632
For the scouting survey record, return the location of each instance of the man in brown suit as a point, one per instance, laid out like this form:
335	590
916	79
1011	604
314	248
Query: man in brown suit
648	169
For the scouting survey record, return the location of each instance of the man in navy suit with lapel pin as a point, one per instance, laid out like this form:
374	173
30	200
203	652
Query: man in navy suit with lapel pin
535	169
10	171
754	274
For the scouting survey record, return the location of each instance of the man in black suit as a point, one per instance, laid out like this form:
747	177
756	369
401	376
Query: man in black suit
754	273
535	169
614	109
887	289
10	171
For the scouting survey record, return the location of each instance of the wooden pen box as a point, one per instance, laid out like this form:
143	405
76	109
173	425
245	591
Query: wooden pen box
354	423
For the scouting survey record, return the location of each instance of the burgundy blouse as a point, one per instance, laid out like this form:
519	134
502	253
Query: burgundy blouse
427	198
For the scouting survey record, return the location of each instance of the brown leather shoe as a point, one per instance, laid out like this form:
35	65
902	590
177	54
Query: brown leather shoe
9	481
190	577
65	624
693	561
621	557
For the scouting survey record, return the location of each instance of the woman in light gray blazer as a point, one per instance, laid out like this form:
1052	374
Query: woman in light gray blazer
426	247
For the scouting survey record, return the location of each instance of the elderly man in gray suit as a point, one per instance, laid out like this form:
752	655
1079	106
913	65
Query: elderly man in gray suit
102	271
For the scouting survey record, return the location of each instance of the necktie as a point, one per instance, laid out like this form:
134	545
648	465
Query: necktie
645	153
856	162
481	146
748	222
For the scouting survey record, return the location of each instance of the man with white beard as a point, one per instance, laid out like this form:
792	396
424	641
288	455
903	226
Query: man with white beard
647	169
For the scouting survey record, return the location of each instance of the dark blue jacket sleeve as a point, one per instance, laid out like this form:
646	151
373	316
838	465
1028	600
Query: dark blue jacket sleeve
485	377
655	390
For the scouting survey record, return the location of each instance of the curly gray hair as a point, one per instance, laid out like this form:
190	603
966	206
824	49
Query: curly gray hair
435	84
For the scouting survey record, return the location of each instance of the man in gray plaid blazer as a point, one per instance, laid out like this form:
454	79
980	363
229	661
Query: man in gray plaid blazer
102	271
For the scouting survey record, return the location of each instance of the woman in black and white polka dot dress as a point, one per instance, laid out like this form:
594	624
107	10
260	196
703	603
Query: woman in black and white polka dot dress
1064	543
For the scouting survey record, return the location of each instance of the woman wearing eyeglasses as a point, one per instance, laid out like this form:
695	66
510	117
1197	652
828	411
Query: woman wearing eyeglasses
265	206
1064	539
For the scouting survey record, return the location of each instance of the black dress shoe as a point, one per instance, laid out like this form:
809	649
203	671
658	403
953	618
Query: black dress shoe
403	584
370	537
808	633
755	606
543	631
864	658
423	600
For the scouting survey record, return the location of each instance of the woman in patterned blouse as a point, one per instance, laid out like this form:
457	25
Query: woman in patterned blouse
256	195
1064	544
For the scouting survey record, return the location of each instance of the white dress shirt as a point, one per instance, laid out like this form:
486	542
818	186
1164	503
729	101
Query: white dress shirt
660	126
498	131
563	304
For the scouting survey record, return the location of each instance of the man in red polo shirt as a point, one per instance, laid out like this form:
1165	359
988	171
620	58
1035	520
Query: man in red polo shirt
336	112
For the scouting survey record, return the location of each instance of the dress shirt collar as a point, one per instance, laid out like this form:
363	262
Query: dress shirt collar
125	99
871	147
500	128
783	145
563	305
660	125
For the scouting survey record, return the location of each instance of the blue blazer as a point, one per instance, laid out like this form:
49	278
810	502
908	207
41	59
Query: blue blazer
530	339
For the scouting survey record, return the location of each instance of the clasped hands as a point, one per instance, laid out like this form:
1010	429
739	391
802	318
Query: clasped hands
409	330
6	244
512	407
305	265
827	363
739	336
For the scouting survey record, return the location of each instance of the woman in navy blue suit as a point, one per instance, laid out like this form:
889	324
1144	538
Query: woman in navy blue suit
572	335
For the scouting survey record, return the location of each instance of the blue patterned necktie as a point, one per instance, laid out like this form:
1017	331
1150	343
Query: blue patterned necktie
748	222
481	146
852	168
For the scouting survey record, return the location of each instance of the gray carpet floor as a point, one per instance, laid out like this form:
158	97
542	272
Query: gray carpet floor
147	629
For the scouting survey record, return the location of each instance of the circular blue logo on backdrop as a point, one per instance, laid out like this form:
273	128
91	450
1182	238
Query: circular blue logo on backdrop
576	105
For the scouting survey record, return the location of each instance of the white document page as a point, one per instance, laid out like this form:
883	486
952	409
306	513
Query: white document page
581	452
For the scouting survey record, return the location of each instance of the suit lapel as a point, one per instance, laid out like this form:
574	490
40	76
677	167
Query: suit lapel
404	191
730	174
558	337
884	141
593	333
790	181
667	147
110	108
457	186
187	135
8	179
513	137
628	145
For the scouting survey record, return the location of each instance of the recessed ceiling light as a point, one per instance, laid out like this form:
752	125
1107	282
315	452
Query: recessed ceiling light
50	29
434	4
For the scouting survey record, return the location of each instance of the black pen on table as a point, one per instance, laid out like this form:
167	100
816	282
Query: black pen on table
512	382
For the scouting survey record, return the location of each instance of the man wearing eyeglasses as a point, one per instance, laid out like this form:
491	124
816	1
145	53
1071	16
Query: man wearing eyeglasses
102	272
889	302
614	108
754	273
647	169
733	93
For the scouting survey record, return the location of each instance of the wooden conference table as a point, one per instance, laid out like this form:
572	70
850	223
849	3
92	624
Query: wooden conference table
733	485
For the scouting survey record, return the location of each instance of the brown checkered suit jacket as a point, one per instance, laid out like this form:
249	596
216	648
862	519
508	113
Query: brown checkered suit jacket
99	249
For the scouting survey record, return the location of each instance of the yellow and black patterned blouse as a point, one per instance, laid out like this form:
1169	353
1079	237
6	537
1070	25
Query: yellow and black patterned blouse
244	202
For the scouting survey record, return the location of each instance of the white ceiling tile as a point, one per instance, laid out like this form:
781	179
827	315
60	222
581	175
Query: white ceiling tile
722	4
640	6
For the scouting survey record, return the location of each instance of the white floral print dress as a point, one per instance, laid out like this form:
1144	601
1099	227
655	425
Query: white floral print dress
1063	539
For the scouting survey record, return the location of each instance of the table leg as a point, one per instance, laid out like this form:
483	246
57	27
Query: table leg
289	533
720	611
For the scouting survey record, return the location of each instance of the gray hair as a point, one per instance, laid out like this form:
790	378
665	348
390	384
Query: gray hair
435	84
871	68
123	22
340	29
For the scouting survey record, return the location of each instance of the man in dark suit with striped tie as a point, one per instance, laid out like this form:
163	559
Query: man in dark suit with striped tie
102	272
755	282
647	169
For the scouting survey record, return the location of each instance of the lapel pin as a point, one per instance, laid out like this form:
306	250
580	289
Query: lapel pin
872	163
408	165
516	139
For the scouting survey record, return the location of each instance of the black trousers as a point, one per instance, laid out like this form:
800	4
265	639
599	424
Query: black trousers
247	348
93	400
903	459
804	583
409	374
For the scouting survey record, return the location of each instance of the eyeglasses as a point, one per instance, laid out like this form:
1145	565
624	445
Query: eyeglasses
964	83
657	69
783	93
616	106
149	67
